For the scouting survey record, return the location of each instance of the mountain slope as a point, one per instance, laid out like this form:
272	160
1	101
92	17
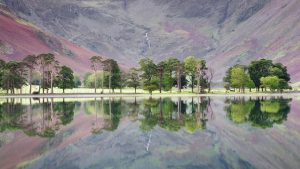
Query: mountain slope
224	32
19	38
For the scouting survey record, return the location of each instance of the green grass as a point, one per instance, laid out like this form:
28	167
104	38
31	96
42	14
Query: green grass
25	90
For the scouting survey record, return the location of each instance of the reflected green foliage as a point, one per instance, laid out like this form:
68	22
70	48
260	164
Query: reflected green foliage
259	113
10	114
66	109
39	119
175	115
239	110
47	117
113	109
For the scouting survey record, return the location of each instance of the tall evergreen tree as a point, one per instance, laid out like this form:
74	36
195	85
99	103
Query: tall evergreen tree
96	64
114	77
30	62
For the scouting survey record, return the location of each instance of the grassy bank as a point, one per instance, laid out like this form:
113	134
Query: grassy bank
130	91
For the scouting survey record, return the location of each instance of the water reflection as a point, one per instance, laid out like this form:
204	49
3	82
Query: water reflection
259	112
161	132
45	117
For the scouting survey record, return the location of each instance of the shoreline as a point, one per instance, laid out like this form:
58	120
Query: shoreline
92	95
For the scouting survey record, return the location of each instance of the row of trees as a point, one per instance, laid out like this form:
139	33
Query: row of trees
16	74
172	72
150	76
260	74
163	76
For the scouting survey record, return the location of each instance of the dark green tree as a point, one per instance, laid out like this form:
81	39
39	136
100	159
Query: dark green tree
112	81
227	79
150	80
65	78
258	69
133	79
202	79
12	76
30	62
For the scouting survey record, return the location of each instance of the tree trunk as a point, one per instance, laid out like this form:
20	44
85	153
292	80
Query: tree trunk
179	107
63	90
95	81
160	79
109	85
193	84
43	80
51	83
30	79
179	80
198	86
102	81
134	90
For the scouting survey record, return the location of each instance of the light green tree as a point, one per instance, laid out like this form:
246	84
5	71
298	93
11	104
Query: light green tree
240	79
271	82
190	67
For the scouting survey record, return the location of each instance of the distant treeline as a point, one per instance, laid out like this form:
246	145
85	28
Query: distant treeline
46	72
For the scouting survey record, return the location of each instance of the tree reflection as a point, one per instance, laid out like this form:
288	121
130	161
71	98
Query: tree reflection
112	108
175	115
10	113
42	119
259	112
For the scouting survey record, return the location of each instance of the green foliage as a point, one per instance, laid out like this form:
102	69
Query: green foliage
239	110
66	111
133	78
150	80
89	79
113	79
258	69
11	75
65	78
112	108
202	78
259	113
77	81
271	82
10	114
239	78
265	68
227	79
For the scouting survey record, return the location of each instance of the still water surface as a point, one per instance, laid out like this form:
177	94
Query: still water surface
187	133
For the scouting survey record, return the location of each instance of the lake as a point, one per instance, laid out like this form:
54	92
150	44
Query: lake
150	133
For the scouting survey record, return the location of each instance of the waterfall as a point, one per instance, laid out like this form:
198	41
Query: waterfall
149	141
148	41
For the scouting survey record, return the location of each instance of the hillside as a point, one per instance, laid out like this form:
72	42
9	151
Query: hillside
224	32
19	38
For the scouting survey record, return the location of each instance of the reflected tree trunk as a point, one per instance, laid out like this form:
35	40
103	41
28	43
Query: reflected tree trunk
179	108
161	110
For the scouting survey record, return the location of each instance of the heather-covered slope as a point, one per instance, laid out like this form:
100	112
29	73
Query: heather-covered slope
224	32
18	38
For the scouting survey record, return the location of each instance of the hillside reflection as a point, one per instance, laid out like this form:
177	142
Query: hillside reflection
45	117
